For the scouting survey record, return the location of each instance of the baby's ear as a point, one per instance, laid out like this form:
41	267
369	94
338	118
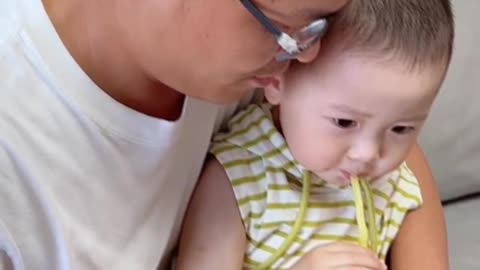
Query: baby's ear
274	91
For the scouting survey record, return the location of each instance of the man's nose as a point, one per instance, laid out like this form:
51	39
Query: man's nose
309	54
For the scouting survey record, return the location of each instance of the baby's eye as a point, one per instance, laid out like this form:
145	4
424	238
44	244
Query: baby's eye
344	123
403	129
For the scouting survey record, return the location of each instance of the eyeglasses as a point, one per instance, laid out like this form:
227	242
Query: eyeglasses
295	44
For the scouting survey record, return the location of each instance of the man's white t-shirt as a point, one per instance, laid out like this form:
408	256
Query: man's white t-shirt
85	182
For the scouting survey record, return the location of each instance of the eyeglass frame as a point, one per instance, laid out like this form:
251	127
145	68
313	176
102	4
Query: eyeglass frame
289	44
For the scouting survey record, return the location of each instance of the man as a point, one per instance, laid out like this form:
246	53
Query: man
104	120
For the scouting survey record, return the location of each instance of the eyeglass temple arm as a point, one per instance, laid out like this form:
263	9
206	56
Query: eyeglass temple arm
262	18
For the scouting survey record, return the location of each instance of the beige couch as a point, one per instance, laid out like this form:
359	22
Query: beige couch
451	140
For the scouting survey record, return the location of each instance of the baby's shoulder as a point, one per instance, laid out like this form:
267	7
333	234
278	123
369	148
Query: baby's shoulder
401	187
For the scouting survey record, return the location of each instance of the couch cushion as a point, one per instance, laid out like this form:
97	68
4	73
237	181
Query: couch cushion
464	240
451	138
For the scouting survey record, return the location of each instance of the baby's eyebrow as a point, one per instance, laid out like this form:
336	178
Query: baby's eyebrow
418	117
349	110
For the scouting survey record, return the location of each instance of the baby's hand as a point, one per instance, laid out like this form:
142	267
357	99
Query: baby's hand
340	256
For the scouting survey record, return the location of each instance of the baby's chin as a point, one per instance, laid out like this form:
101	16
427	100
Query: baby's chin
339	180
332	180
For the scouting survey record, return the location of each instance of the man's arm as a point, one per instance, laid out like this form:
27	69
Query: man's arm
213	236
422	241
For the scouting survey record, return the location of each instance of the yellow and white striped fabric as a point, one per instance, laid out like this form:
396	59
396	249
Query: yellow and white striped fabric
267	184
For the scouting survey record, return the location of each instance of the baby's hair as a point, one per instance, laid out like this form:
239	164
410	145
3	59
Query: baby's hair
419	32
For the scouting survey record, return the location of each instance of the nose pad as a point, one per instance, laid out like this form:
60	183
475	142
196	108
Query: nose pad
309	54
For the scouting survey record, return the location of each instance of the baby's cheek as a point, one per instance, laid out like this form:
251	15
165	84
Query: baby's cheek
391	161
314	153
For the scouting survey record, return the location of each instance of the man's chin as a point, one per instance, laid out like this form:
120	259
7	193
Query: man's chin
222	100
227	96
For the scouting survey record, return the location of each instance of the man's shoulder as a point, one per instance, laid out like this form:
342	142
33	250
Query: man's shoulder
14	60
10	24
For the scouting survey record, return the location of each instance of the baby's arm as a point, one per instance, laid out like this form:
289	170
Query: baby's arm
213	236
421	242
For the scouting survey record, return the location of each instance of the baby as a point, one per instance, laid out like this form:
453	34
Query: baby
278	192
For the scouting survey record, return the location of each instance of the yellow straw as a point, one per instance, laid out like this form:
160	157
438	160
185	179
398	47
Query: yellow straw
296	227
357	192
371	217
368	236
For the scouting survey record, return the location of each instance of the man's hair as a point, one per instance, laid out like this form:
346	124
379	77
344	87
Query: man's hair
418	32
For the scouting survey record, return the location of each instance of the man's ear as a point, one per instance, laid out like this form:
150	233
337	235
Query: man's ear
274	91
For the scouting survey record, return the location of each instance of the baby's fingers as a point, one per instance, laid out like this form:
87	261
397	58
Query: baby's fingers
352	261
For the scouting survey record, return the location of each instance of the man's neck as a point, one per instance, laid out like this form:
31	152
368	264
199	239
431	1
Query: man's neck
87	29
